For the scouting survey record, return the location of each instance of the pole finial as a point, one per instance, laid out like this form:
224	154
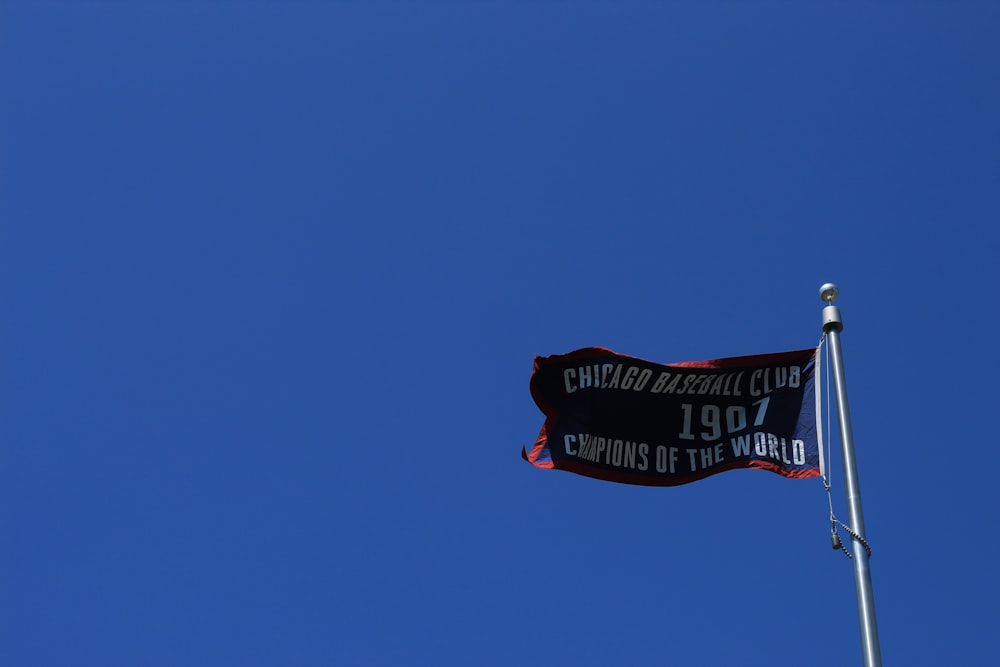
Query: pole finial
829	292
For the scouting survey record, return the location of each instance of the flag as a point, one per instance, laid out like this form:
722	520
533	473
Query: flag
623	419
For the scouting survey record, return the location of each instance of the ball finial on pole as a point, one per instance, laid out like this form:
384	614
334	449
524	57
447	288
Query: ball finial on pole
829	292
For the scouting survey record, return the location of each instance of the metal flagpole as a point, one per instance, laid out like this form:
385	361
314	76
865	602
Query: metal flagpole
832	326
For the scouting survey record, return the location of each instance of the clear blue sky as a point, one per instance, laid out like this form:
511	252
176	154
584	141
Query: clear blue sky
273	276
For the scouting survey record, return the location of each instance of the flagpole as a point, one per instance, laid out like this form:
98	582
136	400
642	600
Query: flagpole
832	326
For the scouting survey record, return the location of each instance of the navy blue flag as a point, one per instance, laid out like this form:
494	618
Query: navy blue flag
628	420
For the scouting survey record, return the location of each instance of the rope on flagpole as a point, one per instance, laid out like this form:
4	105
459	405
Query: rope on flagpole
837	543
835	540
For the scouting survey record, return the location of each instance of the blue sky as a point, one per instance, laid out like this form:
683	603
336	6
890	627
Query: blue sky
274	274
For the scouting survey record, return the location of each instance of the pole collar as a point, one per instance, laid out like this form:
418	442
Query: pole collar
831	319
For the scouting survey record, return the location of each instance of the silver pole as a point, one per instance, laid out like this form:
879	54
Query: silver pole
832	325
